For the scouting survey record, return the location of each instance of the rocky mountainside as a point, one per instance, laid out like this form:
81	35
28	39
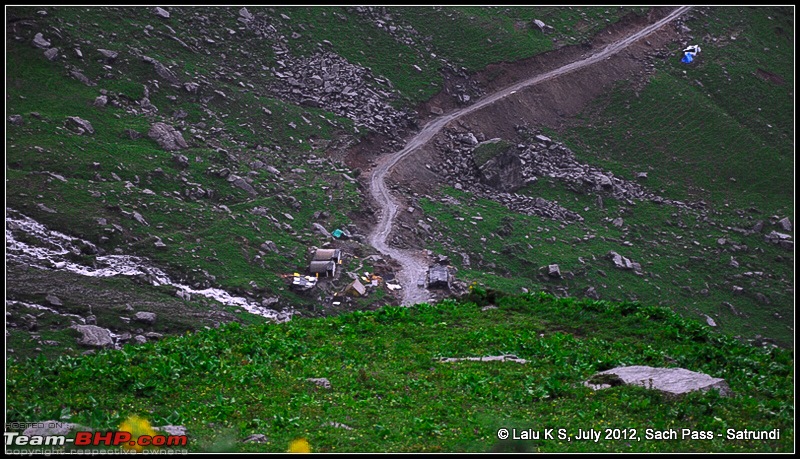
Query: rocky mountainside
186	162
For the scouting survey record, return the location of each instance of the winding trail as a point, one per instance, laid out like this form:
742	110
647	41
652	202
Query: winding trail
414	265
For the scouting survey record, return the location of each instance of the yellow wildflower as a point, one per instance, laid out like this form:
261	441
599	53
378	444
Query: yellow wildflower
137	427
299	446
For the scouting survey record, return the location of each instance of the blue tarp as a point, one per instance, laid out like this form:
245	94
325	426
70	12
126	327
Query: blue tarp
687	58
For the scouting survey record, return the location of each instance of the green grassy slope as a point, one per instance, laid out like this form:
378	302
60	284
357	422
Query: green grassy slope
109	175
714	131
225	384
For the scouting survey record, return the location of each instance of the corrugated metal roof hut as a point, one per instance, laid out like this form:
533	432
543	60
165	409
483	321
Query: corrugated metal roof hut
334	255
328	268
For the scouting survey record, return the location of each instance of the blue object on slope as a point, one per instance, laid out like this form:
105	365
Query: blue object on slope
687	58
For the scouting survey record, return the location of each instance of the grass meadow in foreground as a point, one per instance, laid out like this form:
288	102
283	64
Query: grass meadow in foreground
392	394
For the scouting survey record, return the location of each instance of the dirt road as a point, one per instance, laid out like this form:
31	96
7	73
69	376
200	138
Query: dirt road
413	262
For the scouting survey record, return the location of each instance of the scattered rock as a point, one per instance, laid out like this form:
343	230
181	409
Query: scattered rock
180	160
591	292
16	120
781	239
100	101
621	262
54	300
108	56
256	438
246	15
337	425
321	230
161	12
553	271
81	77
167	137
492	358
51	54
79	125
785	224
269	246
322	382
172	430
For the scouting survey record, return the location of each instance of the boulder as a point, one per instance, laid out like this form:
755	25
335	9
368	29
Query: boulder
16	120
100	101
79	125
167	137
51	54
246	15
94	336
785	224
321	230
40	42
553	271
168	74
180	161
148	318
672	381
161	12
241	183
82	78
781	239
269	246
54	300
503	172
108	56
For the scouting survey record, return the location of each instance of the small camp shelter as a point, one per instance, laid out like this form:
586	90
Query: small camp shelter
323	267
356	288
334	255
